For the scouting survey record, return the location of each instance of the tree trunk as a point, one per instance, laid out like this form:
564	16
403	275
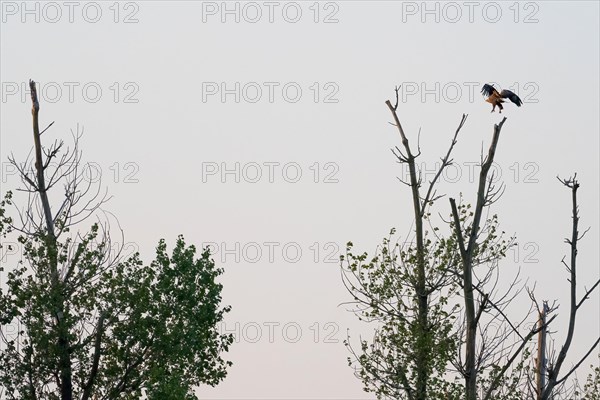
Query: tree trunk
58	302
423	348
541	356
466	254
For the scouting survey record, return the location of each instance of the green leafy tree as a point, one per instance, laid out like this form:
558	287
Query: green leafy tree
404	290
384	294
92	322
591	388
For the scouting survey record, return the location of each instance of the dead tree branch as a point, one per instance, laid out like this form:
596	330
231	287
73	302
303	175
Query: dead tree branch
555	366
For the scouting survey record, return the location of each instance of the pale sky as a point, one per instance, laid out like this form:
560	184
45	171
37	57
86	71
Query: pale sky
262	127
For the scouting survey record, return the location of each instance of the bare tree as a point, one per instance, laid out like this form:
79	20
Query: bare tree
555	364
501	347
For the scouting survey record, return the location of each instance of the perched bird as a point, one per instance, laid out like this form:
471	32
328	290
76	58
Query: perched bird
495	98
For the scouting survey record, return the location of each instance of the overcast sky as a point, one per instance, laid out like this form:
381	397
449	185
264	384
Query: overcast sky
261	128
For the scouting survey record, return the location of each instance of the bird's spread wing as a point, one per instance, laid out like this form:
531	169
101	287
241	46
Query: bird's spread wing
507	94
488	90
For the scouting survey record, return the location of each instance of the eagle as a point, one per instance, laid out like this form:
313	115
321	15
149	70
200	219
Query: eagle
495	98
